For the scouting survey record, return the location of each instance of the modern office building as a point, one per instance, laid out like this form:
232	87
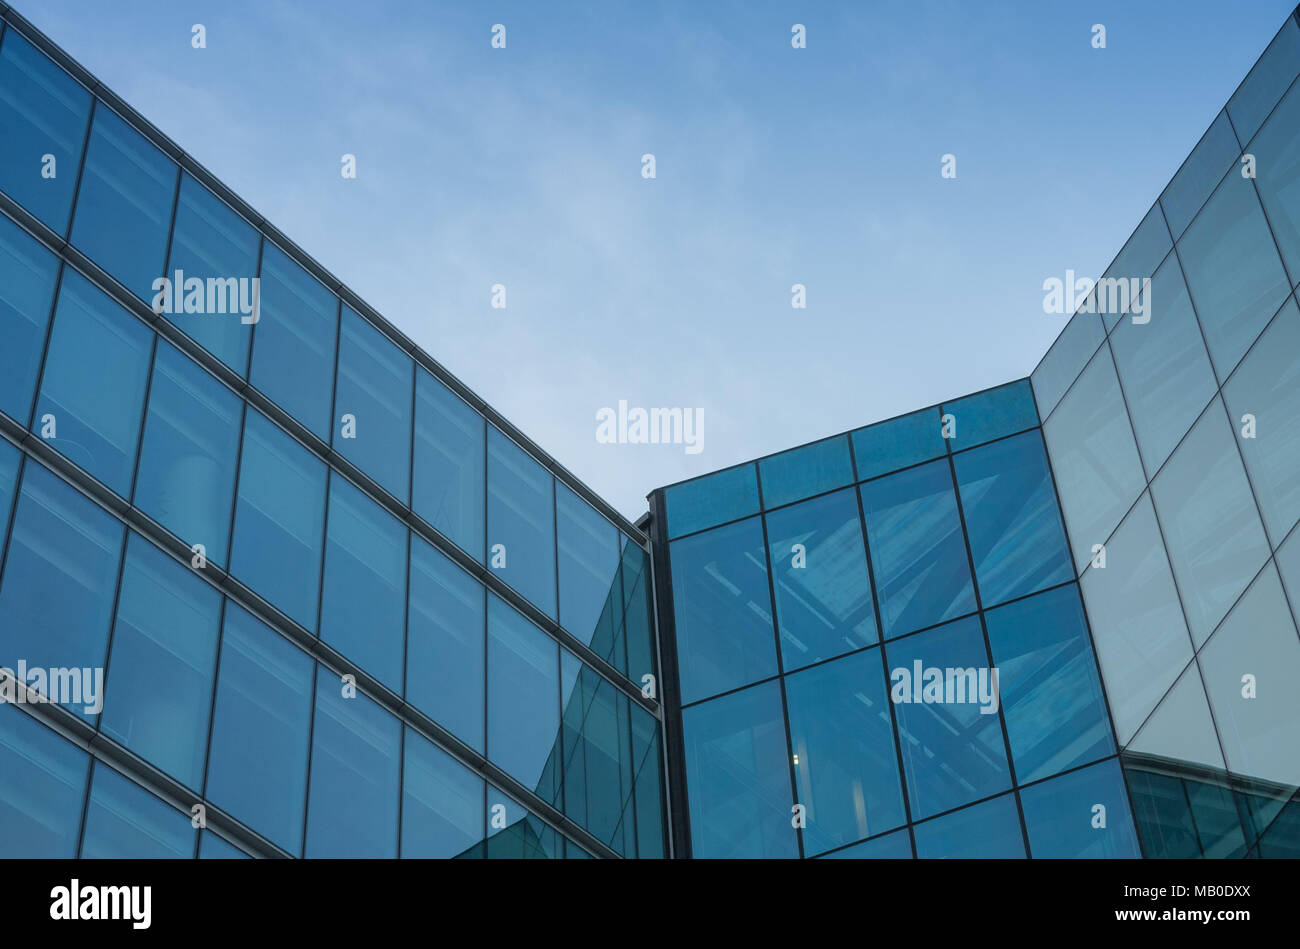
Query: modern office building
291	589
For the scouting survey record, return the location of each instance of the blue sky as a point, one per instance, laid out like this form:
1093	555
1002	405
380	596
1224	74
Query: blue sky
775	166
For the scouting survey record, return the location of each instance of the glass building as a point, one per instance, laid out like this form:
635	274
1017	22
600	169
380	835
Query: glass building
274	583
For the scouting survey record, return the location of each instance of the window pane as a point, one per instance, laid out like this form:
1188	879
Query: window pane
124	204
897	443
1277	153
1066	359
185	479
523	694
60	574
1202	170
1288	564
1061	815
642	648
715	499
589	563
279	519
211	241
990	830
125	820
1180	728
1050	695
1267	386
442	803
10	461
647	758
212	847
521	522
722	610
42	787
161	667
374	387
1211	527
922	572
27	273
257	766
1163	815
1233	271
597	753
1270	77
1012	518
803	472
516	833
362	615
445	650
824	605
355	768
1142	254
43	111
293	355
892	846
988	415
96	349
844	756
448	487
738	776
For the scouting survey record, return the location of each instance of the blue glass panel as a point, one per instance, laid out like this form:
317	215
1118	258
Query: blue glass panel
896	845
988	415
364	606
374	387
124	204
1288	564
1062	815
646	760
185	479
597	752
125	820
60	575
946	703
279	519
589	566
1065	360
845	762
1277	167
449	481
714	499
42	788
10	461
1016	537
27	273
1270	77
445	650
261	720
1163	815
1140	257
1211	157
897	443
212	242
990	830
803	472
642	649
738	776
722	609
96	348
1051	697
212	847
442	802
922	572
523	694
824	605
293	347
521	522
43	111
161	667
355	775
516	833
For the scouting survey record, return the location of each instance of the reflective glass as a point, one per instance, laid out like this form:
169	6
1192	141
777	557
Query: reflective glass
1050	694
1141	255
42	788
803	472
715	499
1199	174
212	242
125	820
43	111
185	479
1066	359
597	753
442	802
294	342
10	460
642	648
27	273
588	564
1288	564
355	775
892	846
985	416
917	547
1180	728
953	752
521	522
261	720
722	609
364	596
1163	815
449	480
212	847
647	755
845	762
990	830
374	388
1270	77
523	716
897	443
1081	814
516	833
96	347
124	203
279	519
161	667
1277	168
1211	526
444	649
1012	519
738	776
824	605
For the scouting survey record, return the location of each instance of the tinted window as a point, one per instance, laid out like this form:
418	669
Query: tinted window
589	561
521	522
715	499
803	472
442	802
27	273
449	480
125	820
42	788
523	694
